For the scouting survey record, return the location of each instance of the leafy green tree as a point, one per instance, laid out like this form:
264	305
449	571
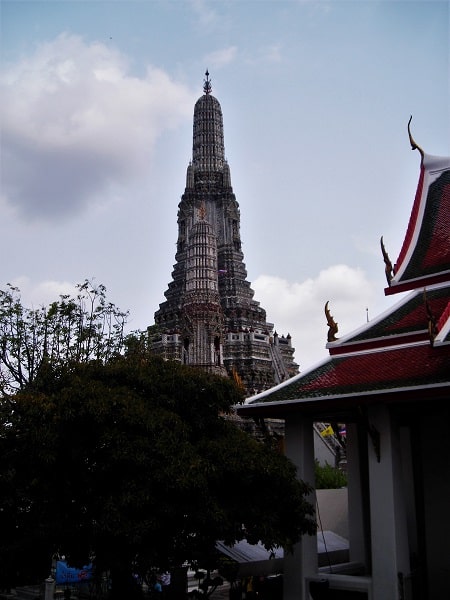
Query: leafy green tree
74	329
133	461
328	477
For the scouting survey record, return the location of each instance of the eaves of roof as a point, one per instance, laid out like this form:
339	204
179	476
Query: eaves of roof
348	407
396	374
425	255
405	323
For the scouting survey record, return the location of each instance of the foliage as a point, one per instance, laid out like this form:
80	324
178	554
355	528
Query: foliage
133	460
207	585
329	477
71	330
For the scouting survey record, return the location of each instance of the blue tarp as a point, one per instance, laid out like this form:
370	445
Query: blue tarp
66	574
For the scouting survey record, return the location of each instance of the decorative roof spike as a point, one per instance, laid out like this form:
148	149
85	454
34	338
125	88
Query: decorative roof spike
387	262
332	325
207	83
414	146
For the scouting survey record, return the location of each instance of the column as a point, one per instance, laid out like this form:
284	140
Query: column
49	588
390	554
303	563
356	530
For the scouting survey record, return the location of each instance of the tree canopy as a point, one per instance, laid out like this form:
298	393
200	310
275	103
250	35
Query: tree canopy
133	460
72	329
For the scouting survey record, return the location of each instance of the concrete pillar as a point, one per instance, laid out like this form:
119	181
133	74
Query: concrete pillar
356	537
390	554
303	563
49	589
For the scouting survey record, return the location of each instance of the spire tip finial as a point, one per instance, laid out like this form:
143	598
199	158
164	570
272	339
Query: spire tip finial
207	83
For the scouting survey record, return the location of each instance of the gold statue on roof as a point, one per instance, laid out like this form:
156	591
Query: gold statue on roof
387	263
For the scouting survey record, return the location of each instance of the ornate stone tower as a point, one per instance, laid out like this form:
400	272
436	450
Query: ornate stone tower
210	319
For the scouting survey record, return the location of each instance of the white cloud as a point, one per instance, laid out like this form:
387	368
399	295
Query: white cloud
264	55
77	123
203	12
298	307
222	57
35	295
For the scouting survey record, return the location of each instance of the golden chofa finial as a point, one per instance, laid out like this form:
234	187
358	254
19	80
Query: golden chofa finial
414	146
387	263
332	325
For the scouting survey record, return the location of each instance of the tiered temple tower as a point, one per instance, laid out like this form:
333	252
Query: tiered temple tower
210	319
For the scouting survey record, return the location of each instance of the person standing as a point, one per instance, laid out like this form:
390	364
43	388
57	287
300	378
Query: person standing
165	580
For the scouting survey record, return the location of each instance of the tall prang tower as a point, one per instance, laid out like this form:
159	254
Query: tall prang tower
209	319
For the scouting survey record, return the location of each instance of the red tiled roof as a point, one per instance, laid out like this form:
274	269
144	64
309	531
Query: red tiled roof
368	372
404	353
404	323
387	369
425	255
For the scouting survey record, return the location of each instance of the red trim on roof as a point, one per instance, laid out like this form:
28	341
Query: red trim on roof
444	317
420	282
406	325
380	343
412	220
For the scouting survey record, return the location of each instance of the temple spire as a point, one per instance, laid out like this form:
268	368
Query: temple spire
208	151
210	319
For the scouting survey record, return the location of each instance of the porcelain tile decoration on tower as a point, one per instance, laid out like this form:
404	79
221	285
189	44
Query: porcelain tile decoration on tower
210	318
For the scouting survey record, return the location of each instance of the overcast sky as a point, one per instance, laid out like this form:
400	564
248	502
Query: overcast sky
97	101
